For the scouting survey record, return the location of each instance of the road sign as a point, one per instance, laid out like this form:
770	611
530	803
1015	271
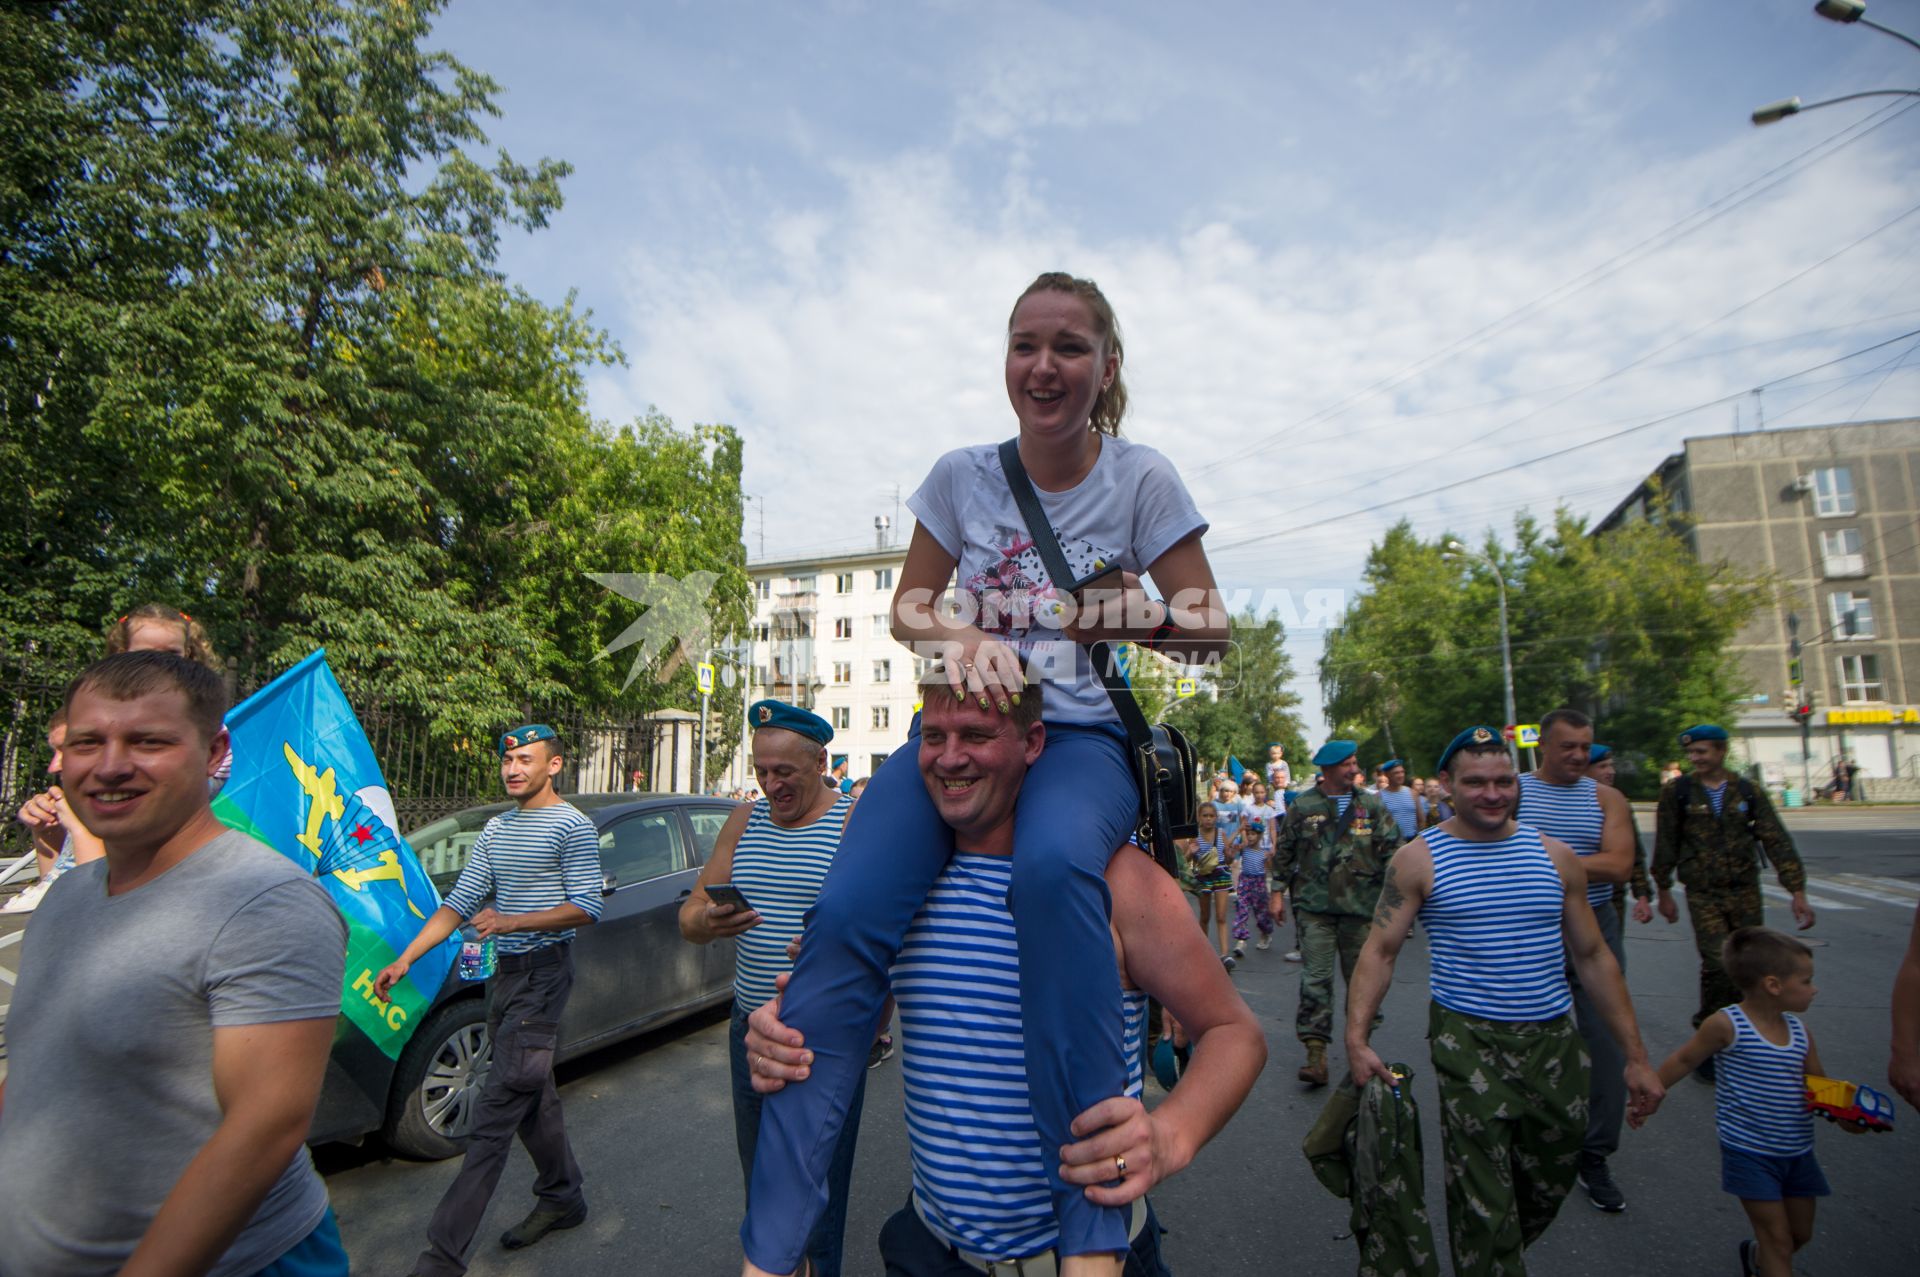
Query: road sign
1186	687
1527	735
703	676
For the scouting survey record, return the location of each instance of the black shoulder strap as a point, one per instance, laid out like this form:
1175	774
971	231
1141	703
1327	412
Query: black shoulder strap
1055	561
1683	791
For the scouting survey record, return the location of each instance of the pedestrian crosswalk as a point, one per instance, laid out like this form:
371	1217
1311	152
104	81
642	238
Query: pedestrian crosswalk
1848	892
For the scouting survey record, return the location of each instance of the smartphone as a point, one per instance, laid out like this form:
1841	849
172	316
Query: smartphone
725	893
1102	577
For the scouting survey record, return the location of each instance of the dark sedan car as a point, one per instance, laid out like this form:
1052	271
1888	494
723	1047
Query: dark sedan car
633	972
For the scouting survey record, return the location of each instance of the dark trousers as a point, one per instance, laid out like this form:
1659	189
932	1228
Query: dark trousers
524	1003
827	1243
1607	1087
909	1248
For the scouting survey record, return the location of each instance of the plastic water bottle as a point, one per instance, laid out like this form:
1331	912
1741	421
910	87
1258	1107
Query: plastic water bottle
477	960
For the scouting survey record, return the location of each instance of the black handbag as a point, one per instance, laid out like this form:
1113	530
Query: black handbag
1163	762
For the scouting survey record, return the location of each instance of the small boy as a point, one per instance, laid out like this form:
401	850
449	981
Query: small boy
1764	1053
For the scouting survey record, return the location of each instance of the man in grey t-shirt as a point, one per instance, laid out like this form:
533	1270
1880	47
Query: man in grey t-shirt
173	1014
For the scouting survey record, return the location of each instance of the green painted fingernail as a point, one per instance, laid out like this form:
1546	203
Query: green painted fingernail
983	702
1016	698
1003	707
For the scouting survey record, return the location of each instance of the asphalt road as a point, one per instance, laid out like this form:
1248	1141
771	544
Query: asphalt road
652	1127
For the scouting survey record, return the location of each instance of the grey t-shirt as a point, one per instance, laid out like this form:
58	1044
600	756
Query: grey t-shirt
109	1090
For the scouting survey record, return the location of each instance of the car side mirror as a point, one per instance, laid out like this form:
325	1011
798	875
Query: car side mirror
609	884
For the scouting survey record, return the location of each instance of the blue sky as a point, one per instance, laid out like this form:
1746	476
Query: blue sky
809	221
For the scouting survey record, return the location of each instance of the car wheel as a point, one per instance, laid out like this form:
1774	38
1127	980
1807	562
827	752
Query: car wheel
438	1081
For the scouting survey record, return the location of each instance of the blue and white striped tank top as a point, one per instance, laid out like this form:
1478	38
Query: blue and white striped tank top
1760	1090
1570	813
779	871
979	1171
1493	927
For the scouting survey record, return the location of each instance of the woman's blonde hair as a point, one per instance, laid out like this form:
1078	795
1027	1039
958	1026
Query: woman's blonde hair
199	648
1111	403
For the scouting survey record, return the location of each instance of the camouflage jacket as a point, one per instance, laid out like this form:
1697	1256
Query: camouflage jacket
1333	865
1707	852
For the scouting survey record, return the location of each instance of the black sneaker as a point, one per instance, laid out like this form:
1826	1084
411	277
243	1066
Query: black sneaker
1748	1268
881	1050
541	1222
1705	1072
1601	1190
1228	961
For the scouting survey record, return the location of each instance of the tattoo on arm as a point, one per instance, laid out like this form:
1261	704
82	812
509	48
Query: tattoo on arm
1391	898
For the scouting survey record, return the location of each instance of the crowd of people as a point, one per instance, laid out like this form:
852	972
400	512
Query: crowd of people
992	883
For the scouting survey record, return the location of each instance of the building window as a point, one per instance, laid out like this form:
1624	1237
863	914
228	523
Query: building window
764	587
1860	679
1852	614
883	671
882	716
877	759
843	627
843	671
763	631
802	584
1833	491
1841	551
883	578
881	626
842	717
843	583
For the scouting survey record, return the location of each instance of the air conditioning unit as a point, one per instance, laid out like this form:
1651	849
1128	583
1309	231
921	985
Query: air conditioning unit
1803	483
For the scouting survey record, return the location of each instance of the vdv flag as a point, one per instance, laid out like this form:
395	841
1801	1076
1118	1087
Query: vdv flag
305	782
1235	768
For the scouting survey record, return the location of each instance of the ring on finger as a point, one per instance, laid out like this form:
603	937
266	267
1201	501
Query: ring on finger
1120	1166
753	1063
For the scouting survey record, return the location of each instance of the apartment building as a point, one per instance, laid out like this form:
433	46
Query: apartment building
822	638
1834	513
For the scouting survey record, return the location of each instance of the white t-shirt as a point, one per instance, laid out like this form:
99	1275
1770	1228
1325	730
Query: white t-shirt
1129	510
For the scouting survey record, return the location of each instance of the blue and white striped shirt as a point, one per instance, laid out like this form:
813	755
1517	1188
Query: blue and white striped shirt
1760	1090
1493	927
1570	813
979	1171
528	861
1717	795
779	870
1404	806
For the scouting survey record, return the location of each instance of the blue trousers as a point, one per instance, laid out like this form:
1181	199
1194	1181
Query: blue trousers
827	1243
1078	804
908	1248
318	1254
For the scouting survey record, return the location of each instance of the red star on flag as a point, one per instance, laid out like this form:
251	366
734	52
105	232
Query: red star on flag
362	835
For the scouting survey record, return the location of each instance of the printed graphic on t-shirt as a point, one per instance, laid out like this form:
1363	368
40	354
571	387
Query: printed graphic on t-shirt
1013	595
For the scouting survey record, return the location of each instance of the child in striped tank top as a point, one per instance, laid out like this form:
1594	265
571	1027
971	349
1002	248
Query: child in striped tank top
1763	1055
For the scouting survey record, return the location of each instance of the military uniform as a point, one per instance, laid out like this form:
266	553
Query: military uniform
1716	858
1639	885
1365	1146
1333	867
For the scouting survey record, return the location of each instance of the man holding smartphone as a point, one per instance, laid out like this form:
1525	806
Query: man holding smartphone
765	871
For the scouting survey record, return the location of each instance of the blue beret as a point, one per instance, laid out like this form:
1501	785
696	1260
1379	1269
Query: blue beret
1392	763
1472	736
1597	752
1706	731
790	718
526	735
1335	751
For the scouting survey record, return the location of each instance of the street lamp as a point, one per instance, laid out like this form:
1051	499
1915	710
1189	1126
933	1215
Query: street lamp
1456	550
1837	11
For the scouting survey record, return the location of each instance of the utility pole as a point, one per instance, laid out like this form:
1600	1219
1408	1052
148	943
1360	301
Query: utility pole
1802	708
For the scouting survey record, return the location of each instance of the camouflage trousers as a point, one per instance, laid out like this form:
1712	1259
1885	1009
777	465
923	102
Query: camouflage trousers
1322	937
1513	1110
1716	913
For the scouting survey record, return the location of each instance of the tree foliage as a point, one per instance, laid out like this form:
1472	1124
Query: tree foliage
259	362
1627	627
1240	705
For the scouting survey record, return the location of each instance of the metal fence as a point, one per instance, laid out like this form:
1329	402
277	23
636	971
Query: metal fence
428	777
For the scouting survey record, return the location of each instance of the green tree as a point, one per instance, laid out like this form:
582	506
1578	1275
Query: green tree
1628	627
1243	702
260	362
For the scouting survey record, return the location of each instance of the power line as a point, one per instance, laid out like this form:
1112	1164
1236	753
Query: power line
1559	452
1672	234
1484	436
